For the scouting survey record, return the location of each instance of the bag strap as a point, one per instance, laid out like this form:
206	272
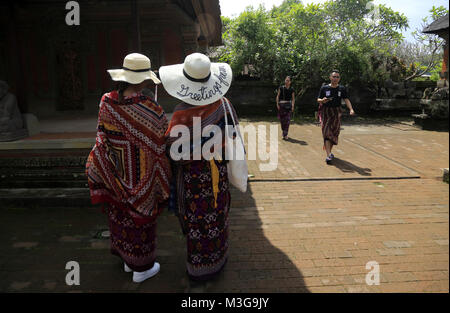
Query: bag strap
232	117
226	119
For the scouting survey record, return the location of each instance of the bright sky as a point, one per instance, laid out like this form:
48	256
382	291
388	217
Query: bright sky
414	10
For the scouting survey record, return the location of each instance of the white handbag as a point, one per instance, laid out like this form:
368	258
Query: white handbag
235	153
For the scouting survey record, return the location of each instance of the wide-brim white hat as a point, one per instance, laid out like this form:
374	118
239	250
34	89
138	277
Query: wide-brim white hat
136	68
197	81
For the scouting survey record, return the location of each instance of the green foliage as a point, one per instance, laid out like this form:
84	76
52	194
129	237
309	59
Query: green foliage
435	72
438	12
307	41
429	57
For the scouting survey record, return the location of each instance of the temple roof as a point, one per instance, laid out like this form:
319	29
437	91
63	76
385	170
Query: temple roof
439	25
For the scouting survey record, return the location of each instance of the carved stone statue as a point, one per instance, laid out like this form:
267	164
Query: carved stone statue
11	123
442	83
435	102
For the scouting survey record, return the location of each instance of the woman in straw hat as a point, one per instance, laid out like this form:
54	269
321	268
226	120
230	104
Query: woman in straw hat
202	189
128	168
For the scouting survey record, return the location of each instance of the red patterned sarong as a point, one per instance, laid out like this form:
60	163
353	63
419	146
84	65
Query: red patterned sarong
135	244
129	171
330	119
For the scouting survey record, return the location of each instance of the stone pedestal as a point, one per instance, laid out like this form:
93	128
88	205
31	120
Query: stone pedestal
31	123
396	104
426	122
11	123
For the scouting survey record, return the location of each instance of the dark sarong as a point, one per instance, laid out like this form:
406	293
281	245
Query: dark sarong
133	243
202	195
330	119
206	218
285	119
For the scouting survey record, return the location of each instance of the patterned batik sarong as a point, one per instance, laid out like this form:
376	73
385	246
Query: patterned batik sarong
135	244
285	120
330	119
205	218
202	196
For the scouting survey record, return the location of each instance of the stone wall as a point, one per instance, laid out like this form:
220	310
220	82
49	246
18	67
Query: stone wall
361	98
258	98
401	96
253	97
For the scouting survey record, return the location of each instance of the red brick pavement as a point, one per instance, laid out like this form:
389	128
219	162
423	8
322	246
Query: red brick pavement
363	151
285	236
325	233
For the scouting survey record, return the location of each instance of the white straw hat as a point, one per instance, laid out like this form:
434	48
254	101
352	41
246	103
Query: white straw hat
197	81
136	68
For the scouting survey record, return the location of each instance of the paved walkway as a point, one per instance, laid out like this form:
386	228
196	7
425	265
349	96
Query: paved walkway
306	227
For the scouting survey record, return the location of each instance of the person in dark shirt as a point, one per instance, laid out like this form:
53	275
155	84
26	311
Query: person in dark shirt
285	105
329	99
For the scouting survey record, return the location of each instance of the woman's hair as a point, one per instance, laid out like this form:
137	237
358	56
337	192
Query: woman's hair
335	71
120	87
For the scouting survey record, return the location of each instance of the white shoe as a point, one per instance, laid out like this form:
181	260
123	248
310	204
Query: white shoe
139	277
126	268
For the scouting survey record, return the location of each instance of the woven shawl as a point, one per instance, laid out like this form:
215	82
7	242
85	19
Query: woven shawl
128	166
211	114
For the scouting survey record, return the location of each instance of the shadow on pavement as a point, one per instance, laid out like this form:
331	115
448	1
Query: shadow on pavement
36	243
255	264
301	142
348	167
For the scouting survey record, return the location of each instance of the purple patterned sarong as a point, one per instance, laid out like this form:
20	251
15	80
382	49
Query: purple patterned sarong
205	218
135	244
285	119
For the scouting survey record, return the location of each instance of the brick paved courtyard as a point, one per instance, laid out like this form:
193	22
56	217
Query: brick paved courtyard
306	227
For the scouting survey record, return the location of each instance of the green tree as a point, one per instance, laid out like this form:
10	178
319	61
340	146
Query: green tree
429	46
307	41
246	40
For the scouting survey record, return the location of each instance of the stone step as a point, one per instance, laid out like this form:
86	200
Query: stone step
48	197
43	178
35	183
43	168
